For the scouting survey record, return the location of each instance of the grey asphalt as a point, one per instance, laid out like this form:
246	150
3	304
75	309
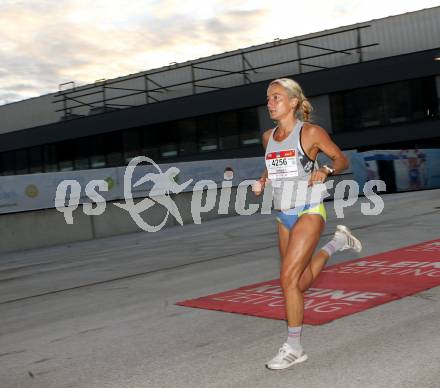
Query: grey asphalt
102	313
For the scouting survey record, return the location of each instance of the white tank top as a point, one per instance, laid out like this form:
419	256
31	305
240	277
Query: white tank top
287	166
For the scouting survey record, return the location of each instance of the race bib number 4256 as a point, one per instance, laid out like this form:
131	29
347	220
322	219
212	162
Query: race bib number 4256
282	164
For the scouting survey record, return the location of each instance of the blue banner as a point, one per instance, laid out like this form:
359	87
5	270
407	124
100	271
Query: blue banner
402	170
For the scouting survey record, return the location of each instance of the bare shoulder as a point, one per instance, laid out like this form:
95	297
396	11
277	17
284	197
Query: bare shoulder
266	135
314	133
313	130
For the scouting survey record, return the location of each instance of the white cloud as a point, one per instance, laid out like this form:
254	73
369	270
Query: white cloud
290	18
44	43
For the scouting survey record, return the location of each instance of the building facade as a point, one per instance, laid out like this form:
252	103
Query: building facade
373	85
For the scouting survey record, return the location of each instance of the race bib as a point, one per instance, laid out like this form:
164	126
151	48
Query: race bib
282	164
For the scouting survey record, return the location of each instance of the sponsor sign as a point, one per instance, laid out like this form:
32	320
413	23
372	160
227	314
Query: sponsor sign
341	289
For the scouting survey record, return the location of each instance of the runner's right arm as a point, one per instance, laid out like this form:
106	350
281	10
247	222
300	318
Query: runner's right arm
259	185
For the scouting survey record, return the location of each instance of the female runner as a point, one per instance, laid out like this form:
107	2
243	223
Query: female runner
291	150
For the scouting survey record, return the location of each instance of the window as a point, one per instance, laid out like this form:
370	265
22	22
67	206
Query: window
397	102
369	107
249	127
187	136
424	99
113	151
150	142
388	104
228	130
7	163
207	133
168	139
131	144
50	158
65	155
82	153
36	159
97	151
21	162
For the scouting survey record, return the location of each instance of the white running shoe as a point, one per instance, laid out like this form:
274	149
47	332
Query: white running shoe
285	358
351	241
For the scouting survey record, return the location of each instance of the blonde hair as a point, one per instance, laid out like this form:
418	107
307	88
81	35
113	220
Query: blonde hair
304	108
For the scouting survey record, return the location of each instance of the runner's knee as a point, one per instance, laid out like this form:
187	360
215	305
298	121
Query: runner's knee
289	281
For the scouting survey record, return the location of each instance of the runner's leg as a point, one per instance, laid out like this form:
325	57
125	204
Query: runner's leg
315	266
303	239
292	352
342	239
313	269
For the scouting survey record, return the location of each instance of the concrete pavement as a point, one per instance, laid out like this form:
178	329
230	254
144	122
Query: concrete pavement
101	313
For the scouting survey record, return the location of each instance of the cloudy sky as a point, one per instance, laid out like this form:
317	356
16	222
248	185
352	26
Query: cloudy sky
47	42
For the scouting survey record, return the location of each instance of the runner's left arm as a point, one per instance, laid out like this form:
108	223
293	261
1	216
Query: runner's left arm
325	144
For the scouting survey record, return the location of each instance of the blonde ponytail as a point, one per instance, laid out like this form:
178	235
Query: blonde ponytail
305	110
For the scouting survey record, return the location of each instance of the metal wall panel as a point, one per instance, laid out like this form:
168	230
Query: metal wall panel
395	35
401	34
28	113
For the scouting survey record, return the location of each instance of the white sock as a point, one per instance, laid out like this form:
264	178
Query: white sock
335	244
294	339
